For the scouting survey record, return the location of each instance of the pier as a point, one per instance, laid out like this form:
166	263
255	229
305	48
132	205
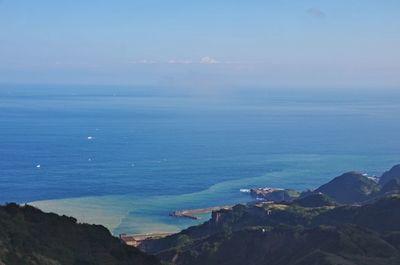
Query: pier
192	214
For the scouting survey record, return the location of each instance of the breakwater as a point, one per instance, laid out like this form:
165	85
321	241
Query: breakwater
193	213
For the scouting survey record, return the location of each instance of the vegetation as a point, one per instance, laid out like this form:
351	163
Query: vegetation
264	234
351	220
351	187
348	188
392	186
393	173
277	195
316	200
31	237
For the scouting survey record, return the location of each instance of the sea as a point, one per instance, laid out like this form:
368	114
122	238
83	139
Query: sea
125	157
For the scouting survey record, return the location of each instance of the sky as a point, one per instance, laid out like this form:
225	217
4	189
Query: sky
207	43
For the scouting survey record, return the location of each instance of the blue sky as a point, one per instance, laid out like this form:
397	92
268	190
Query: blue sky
302	43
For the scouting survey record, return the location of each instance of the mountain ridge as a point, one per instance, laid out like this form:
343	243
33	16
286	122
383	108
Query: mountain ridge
350	220
32	237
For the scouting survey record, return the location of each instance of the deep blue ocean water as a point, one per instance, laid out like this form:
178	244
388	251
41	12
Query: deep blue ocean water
125	157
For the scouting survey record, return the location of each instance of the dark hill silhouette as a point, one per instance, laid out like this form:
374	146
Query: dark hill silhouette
393	173
290	235
29	236
351	187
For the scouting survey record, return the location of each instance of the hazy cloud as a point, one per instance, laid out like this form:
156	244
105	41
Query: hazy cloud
208	60
316	12
179	61
203	60
144	61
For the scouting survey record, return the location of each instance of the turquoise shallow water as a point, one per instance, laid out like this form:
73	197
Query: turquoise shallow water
132	214
126	157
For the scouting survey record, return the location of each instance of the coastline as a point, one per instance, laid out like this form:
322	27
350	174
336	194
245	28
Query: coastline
194	213
136	240
133	215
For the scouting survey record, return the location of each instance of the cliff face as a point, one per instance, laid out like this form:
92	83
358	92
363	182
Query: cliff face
290	234
29	236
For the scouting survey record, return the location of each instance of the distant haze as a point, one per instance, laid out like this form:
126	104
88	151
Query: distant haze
202	45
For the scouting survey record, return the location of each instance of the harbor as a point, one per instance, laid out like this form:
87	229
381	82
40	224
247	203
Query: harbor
194	213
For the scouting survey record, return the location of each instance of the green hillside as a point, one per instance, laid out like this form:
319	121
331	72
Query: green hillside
290	234
393	173
30	237
351	187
